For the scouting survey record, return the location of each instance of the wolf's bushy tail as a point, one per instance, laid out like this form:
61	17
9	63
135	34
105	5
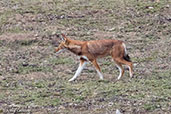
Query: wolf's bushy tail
126	56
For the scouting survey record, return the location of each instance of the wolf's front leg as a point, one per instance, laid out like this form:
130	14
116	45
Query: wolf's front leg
97	69
80	68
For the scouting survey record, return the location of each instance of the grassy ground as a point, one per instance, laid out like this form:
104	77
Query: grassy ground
33	79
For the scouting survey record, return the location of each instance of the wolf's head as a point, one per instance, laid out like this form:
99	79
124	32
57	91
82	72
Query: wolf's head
63	44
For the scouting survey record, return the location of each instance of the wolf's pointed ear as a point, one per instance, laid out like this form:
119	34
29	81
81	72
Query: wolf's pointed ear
64	37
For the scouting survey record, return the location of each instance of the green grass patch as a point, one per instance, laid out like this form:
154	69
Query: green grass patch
25	42
150	7
15	30
37	98
150	106
60	60
32	68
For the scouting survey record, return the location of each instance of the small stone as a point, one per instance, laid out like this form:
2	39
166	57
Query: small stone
150	7
61	107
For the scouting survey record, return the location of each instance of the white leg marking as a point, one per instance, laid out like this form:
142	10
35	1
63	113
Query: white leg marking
130	73
80	68
100	74
120	70
84	57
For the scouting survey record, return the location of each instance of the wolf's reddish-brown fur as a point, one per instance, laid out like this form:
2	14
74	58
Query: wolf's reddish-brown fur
91	50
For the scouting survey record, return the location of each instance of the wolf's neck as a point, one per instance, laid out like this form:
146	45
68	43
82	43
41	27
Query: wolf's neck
76	49
77	42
